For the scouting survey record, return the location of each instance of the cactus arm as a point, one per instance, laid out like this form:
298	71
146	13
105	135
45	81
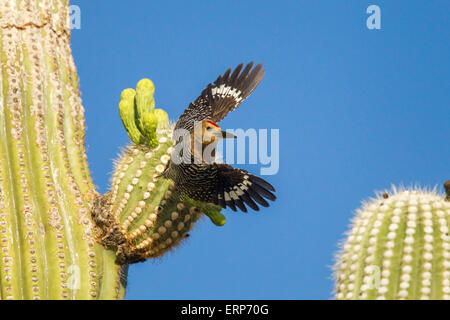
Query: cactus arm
143	215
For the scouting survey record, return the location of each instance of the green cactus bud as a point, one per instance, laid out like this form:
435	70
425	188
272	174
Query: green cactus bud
398	248
210	210
163	118
145	105
144	96
216	217
127	114
139	117
149	123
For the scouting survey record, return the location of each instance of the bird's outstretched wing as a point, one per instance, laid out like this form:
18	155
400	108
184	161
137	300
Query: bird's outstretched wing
222	96
225	186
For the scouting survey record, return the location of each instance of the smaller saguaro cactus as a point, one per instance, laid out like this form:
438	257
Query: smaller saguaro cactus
398	247
143	215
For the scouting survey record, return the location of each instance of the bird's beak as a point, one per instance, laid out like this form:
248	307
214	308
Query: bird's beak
227	135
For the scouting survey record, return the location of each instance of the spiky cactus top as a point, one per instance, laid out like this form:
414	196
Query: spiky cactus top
398	248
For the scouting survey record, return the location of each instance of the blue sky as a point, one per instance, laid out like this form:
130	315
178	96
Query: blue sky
357	109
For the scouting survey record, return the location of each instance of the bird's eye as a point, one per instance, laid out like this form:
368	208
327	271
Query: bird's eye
208	129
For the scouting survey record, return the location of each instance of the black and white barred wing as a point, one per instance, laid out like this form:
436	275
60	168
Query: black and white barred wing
226	186
237	188
223	96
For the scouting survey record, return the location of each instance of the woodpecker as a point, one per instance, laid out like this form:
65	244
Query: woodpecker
209	181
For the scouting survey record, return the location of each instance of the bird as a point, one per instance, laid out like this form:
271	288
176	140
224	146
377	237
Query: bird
196	130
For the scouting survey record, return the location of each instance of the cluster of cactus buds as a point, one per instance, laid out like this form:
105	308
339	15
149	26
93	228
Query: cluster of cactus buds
143	215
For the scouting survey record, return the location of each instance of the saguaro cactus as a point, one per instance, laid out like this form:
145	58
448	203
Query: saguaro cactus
47	245
398	248
60	239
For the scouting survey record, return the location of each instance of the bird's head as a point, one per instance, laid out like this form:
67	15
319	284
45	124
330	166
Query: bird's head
211	132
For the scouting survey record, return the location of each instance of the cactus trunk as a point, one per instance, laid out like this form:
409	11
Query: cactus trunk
47	244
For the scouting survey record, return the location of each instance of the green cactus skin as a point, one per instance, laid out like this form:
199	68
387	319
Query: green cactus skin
47	244
398	248
127	114
143	216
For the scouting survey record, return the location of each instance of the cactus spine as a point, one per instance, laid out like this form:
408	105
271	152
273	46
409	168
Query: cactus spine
398	248
47	248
